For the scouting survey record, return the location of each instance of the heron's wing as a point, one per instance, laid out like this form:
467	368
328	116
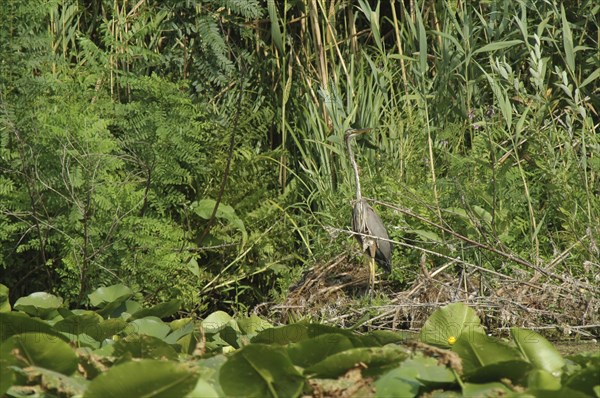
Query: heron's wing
376	228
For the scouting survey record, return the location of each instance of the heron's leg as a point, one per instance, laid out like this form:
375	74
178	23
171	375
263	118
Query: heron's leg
372	251
371	275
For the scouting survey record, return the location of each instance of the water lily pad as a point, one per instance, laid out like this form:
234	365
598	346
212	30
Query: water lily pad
447	324
147	347
161	310
308	352
398	382
79	323
259	370
179	332
150	326
429	371
539	351
146	378
106	328
55	382
542	380
283	335
16	323
203	389
479	350
4	303
216	321
103	296
494	389
253	324
40	304
42	350
514	370
374	358
585	381
209	369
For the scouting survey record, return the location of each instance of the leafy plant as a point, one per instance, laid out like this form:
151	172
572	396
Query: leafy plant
122	349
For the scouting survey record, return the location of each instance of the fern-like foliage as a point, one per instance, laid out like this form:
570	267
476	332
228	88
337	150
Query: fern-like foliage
247	9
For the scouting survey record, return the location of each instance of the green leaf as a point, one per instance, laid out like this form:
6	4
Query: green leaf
209	371
259	370
296	332
16	323
193	266
7	377
503	100
542	380
181	331
150	326
203	389
478	351
283	335
514	370
204	209
399	382
253	324
317	329
564	392
275	28
107	328
499	45
148	378
539	351
4	303
40	349
459	212
423	67
146	347
54	382
429	371
483	214
426	235
231	335
448	323
111	294
311	351
494	389
187	342
379	338
411	375
592	76
180	323
161	310
79	323
375	358
586	380
39	304
567	40
216	321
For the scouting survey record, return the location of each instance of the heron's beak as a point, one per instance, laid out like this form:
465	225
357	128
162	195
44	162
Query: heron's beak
362	131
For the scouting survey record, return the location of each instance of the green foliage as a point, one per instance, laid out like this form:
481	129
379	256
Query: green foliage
461	123
124	124
231	356
103	164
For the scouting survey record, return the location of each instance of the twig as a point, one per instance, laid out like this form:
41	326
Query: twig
508	256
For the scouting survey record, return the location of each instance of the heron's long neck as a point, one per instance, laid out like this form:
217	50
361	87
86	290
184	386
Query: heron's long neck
355	167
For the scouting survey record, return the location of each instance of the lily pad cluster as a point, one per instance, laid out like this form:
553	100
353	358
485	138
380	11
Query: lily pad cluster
120	349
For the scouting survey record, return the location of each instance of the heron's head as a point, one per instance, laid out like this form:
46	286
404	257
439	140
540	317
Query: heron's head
351	133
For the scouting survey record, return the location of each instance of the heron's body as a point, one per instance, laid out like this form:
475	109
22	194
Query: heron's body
367	225
372	226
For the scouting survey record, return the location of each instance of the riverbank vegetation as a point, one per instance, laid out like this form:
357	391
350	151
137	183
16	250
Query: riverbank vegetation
193	150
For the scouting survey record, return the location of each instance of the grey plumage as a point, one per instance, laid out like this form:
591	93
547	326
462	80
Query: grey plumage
372	226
